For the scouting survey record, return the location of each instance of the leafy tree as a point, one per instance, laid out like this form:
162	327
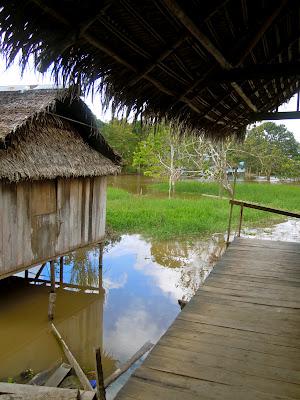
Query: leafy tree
160	155
269	149
123	137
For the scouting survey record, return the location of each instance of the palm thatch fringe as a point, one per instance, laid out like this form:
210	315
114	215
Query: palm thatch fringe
183	61
39	141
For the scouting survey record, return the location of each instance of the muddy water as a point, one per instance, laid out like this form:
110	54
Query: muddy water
133	299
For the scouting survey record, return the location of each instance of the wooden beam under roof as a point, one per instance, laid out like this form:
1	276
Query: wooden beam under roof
118	58
179	13
261	31
259	71
274	116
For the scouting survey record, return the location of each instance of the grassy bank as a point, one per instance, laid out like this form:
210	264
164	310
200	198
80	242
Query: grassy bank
276	195
162	218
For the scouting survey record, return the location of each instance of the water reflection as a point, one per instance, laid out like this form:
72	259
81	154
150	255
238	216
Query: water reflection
285	231
142	282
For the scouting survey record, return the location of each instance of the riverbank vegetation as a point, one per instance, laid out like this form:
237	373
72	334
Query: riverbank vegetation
191	215
165	153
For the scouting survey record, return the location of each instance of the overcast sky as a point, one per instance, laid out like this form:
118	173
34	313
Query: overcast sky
12	76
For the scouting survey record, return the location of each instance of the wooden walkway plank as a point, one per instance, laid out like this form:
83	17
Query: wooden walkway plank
238	337
58	376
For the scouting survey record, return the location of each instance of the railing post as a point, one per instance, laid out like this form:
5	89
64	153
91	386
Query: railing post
231	207
241	219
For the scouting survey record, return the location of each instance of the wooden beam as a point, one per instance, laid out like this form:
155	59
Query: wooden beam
164	54
72	360
243	96
101	395
274	116
61	270
40	271
258	71
18	391
58	375
179	13
66	285
264	208
118	372
261	31
118	58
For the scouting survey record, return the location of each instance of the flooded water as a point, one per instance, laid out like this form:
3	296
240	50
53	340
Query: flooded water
131	300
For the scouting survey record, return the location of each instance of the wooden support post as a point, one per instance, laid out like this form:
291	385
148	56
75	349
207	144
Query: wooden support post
52	294
40	271
99	376
231	208
72	360
241	219
101	246
61	270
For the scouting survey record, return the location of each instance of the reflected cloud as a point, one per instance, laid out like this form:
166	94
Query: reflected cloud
109	284
131	330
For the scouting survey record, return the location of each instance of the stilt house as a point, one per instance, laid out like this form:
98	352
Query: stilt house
53	168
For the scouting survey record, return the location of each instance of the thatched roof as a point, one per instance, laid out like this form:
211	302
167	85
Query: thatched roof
210	65
45	134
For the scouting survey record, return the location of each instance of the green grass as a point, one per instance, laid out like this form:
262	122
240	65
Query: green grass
161	218
276	195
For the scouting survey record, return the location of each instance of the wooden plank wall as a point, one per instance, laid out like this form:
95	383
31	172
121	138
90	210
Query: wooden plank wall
41	220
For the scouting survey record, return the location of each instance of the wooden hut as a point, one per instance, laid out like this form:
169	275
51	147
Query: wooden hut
53	168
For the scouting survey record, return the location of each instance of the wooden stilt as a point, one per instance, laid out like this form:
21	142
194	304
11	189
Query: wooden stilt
101	246
61	270
52	294
99	376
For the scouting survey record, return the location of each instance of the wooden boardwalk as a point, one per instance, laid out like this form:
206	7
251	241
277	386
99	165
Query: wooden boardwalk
238	338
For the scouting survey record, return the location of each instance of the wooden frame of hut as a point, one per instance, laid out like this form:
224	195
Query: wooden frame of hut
53	168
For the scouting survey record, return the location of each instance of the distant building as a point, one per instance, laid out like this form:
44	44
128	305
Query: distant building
241	169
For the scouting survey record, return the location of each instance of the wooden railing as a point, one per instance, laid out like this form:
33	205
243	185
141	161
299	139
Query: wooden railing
260	207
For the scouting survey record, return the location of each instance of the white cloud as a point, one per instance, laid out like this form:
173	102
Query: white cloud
131	330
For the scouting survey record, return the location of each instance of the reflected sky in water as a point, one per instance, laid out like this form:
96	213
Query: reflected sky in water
143	281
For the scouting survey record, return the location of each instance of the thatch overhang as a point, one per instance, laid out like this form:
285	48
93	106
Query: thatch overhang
212	66
45	134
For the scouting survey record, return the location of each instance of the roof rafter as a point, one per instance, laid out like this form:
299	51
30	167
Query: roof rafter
176	10
164	54
101	46
261	31
210	74
259	71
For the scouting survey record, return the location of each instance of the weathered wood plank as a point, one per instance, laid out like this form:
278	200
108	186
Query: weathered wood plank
58	376
43	392
43	220
194	370
200	388
232	348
